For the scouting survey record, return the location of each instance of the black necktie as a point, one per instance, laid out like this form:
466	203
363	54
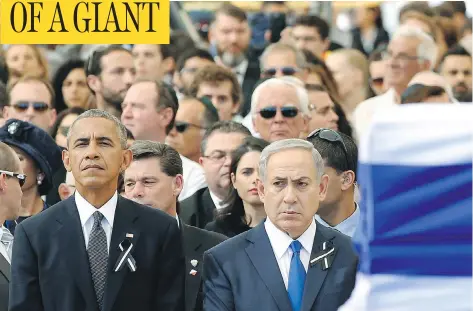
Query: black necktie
98	257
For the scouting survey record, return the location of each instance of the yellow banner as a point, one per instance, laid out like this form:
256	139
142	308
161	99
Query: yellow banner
84	22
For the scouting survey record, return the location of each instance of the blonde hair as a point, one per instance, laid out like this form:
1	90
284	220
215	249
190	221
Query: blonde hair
357	60
39	54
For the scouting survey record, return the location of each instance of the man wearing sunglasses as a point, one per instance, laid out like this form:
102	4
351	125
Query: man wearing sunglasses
281	59
11	180
338	209
192	118
280	109
31	100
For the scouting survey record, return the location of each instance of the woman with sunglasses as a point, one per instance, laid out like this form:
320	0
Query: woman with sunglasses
62	124
40	158
244	208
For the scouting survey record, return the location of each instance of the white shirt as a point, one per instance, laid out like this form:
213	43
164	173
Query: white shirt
348	226
239	70
217	201
86	211
248	123
194	178
3	249
364	112
280	242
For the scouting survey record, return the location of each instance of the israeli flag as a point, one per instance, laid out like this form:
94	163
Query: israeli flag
415	233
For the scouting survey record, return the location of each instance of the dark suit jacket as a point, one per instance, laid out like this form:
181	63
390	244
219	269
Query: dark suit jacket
4	283
252	76
198	209
51	268
381	38
242	274
196	241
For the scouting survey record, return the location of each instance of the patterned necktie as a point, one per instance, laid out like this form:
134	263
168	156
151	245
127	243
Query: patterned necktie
98	257
297	276
7	241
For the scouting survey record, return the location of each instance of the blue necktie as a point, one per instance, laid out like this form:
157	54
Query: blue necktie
297	275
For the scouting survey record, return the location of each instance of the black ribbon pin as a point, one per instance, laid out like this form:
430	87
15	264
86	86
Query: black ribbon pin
325	257
125	256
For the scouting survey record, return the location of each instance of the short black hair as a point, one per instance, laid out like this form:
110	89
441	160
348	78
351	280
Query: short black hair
231	10
223	127
180	42
458	6
314	21
199	53
457	50
4	97
93	65
55	127
334	155
58	80
444	10
169	159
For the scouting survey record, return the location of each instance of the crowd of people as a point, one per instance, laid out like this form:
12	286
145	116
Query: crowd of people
177	177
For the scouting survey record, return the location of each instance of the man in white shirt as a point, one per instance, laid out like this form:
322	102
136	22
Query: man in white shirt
219	141
11	180
338	209
97	250
410	51
288	262
149	112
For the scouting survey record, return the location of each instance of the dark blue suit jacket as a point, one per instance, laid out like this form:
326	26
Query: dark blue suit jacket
51	268
242	274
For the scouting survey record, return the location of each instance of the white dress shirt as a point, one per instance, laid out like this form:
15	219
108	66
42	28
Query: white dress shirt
194	178
3	248
217	201
348	226
86	211
281	242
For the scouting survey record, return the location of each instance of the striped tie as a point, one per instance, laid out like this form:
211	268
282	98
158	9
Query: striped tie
98	257
7	241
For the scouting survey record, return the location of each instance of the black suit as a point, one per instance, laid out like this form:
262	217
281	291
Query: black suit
4	281
251	78
51	268
381	38
198	209
196	241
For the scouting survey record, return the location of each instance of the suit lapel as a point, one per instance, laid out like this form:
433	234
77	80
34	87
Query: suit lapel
315	275
5	268
124	222
262	256
191	246
71	238
208	207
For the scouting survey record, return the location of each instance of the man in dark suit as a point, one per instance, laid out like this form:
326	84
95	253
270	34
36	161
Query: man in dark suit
288	262
216	147
97	250
154	178
11	180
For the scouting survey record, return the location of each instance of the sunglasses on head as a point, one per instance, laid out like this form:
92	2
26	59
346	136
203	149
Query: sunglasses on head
331	136
22	106
286	71
181	126
21	177
270	112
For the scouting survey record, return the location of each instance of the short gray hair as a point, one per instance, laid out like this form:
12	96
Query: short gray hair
282	47
426	50
285	144
294	82
96	113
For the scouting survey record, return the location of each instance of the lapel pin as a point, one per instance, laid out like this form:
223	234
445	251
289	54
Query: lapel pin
193	272
129	235
325	256
194	262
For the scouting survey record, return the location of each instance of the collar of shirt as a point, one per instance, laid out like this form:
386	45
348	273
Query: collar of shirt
239	70
348	226
280	241
3	248
86	209
217	201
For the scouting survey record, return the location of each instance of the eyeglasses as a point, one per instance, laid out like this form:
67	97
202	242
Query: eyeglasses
21	177
400	57
189	70
181	126
270	112
63	130
218	155
331	136
286	71
22	106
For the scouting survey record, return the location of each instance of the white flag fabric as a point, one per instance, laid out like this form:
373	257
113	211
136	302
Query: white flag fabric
415	234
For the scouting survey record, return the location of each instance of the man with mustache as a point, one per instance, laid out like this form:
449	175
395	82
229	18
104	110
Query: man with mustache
455	66
97	250
230	36
287	262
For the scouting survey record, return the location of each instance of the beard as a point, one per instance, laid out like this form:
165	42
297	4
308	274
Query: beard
231	60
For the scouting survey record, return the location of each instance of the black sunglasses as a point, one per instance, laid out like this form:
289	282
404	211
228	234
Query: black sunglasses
286	71
181	126
331	136
22	106
270	112
21	177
